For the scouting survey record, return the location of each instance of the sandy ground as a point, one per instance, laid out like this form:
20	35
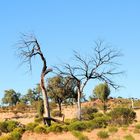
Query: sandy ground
23	118
91	135
70	113
50	136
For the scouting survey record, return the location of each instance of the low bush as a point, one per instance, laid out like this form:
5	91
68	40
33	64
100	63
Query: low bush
3	127
98	122
38	120
137	126
78	125
8	126
79	135
112	129
39	106
87	125
69	121
103	134
122	116
87	113
101	122
65	128
129	137
31	126
11	125
19	129
15	135
6	137
55	128
98	114
40	129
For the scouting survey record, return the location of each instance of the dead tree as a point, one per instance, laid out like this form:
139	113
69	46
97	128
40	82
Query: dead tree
28	48
100	66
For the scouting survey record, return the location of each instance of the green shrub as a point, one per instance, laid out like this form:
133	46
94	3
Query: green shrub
65	128
112	129
103	134
78	125
3	127
137	126
101	122
6	137
15	135
69	121
55	128
87	113
98	122
98	114
122	116
129	137
38	119
31	126
19	129
11	125
8	126
84	125
40	107
40	129
90	125
79	135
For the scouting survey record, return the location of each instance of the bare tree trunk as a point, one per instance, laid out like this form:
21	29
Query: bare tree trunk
31	48
79	105
60	109
104	106
45	101
132	103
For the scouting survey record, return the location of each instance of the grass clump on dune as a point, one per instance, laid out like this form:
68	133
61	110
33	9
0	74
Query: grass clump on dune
79	135
103	134
129	137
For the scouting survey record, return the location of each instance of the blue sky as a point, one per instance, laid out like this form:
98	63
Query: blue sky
62	26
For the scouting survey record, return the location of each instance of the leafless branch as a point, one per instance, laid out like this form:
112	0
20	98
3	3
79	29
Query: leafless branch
28	48
102	65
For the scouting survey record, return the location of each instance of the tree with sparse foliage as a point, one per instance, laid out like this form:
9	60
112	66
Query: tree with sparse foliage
60	89
11	97
102	91
101	65
32	96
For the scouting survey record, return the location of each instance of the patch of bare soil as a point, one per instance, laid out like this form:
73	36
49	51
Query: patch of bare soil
50	136
23	118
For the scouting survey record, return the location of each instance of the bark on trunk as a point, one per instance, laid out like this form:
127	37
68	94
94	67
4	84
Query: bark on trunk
79	105
104	106
45	102
60	109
